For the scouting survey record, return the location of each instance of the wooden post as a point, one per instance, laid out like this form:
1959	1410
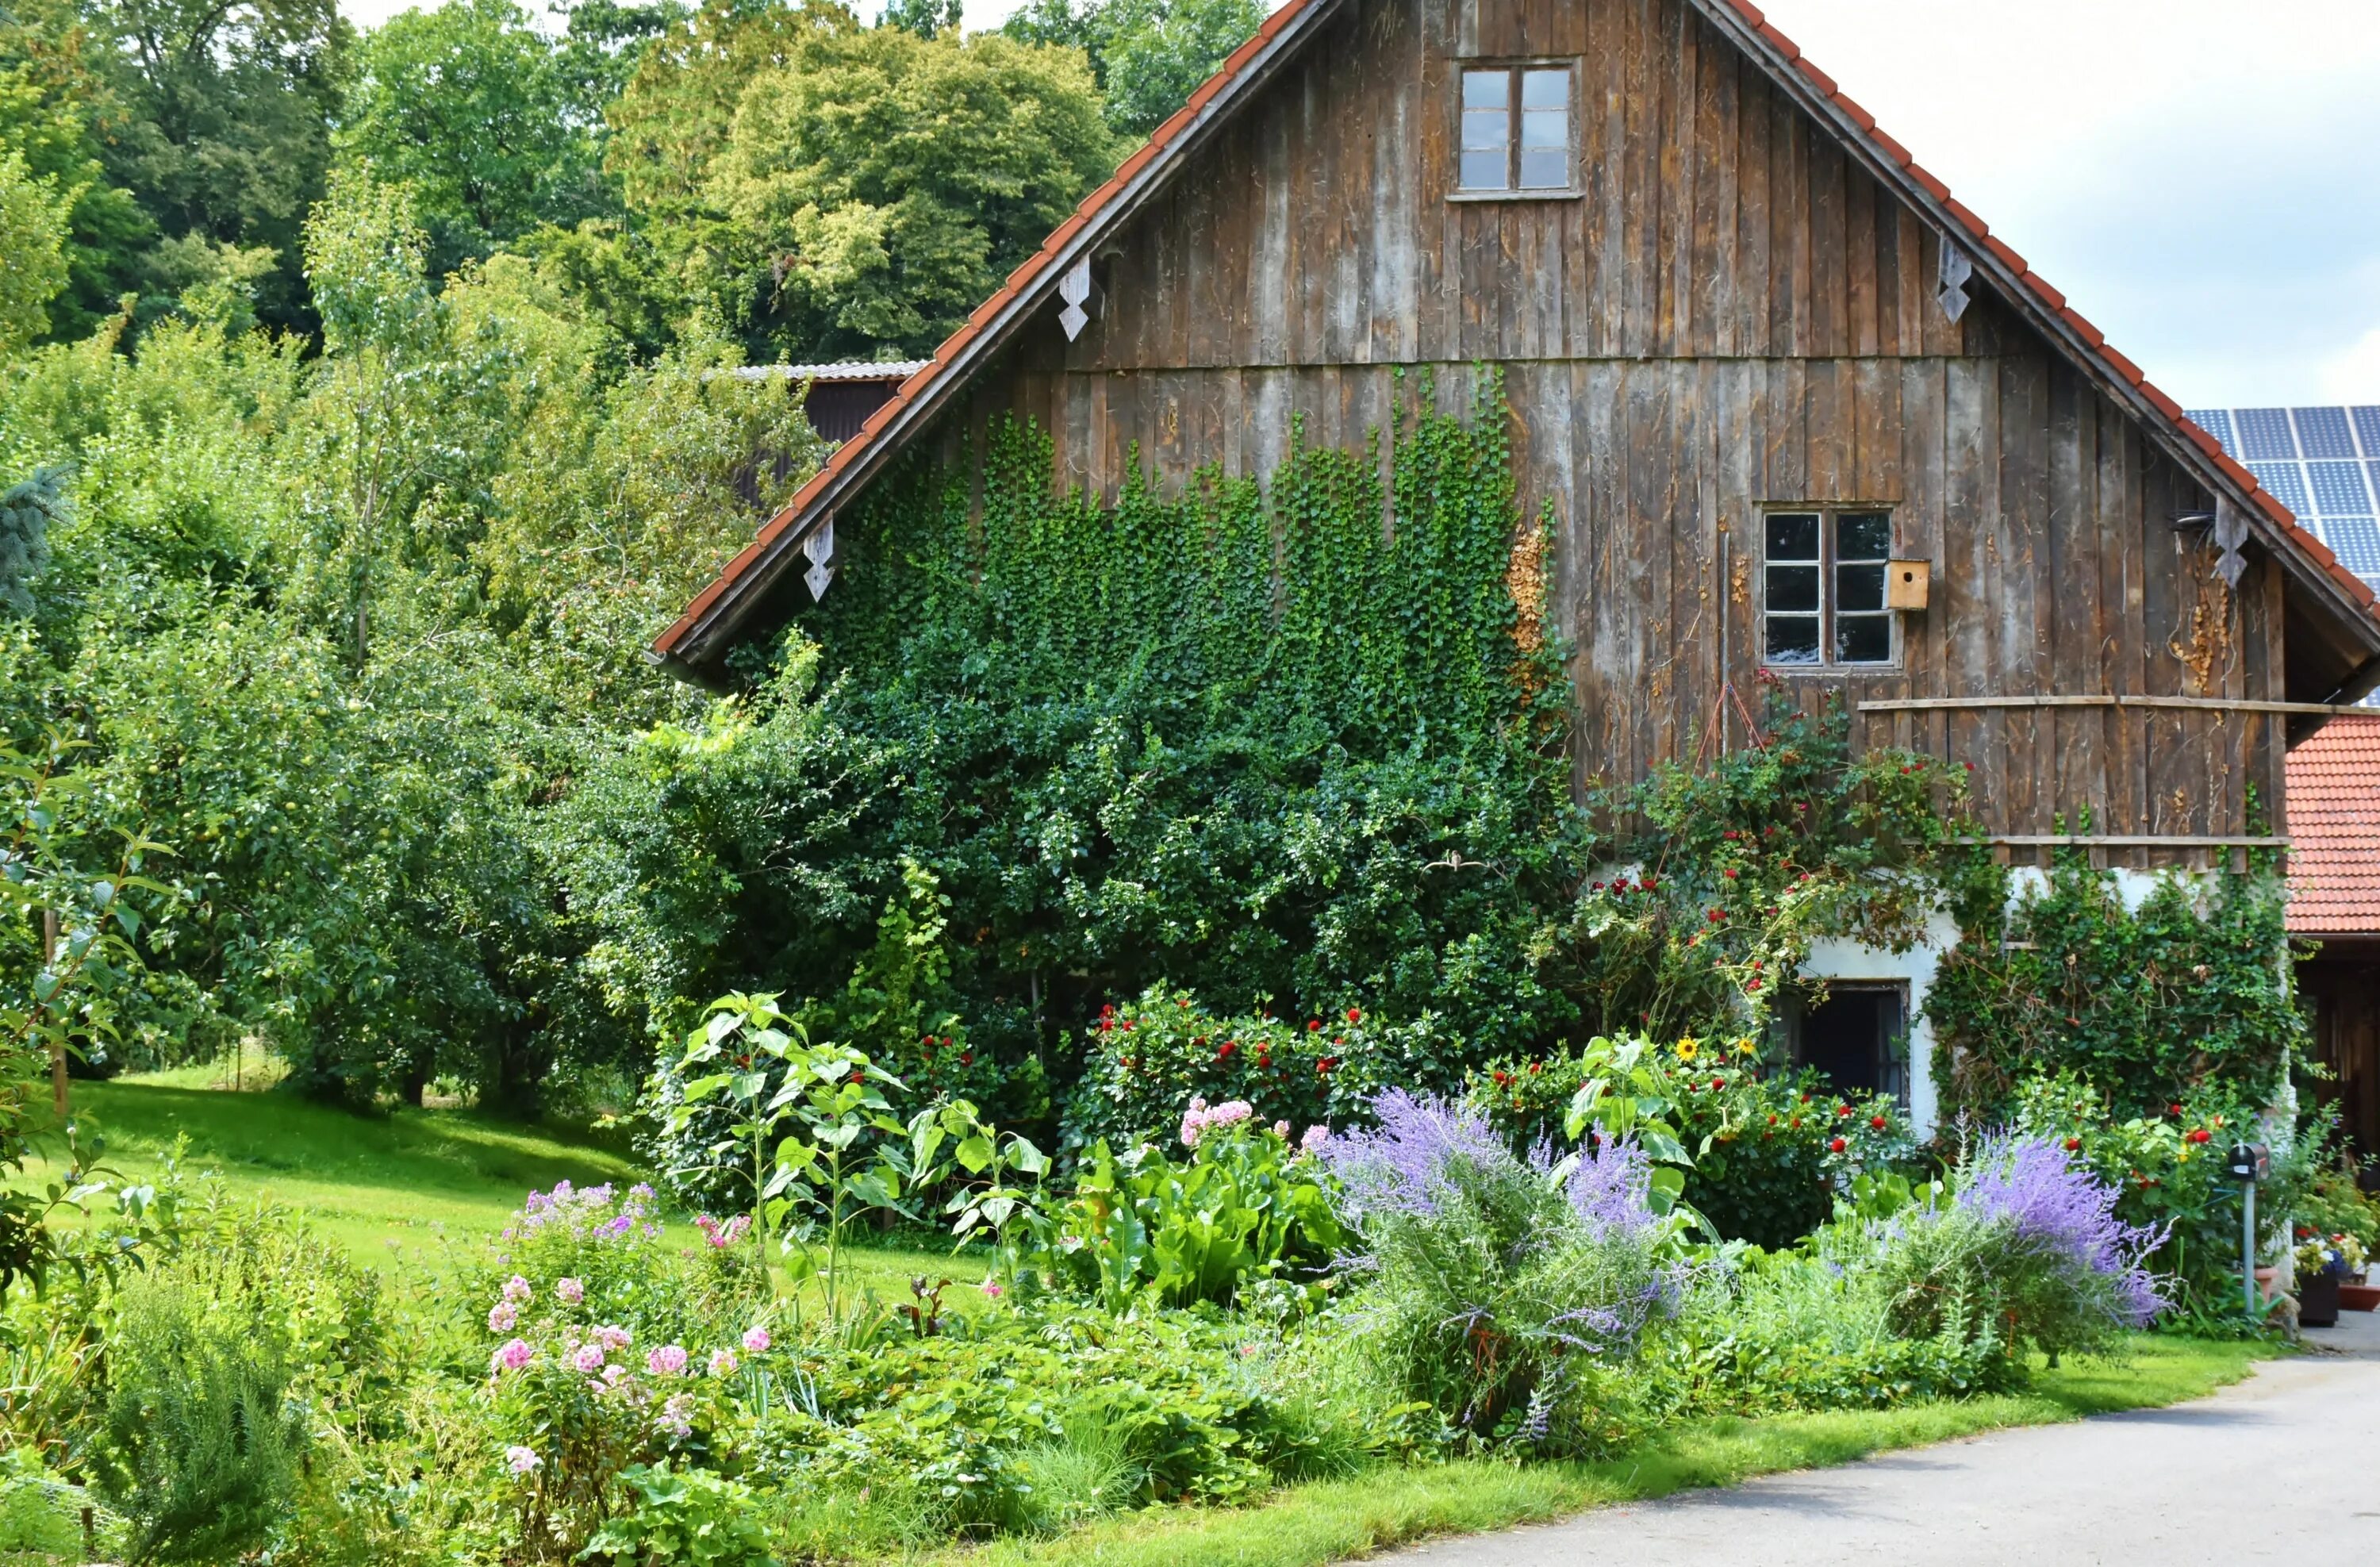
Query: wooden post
57	1042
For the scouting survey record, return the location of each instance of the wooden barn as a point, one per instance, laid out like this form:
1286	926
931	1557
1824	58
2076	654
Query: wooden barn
1795	407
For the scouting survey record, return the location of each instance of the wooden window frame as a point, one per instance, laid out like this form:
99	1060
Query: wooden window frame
1512	68
1828	513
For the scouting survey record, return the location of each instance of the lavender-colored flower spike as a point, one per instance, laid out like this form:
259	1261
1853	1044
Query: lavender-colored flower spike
2059	1205
1401	1166
1611	1187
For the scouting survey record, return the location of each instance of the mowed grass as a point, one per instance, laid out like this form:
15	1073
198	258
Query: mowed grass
1333	1521
407	1188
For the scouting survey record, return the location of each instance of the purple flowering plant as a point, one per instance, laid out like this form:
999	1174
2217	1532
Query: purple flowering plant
2029	1252
1502	1287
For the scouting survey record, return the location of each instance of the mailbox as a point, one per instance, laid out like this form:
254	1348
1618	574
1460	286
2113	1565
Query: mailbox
2250	1162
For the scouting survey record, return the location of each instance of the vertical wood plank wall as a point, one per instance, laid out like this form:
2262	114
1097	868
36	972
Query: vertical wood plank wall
1728	314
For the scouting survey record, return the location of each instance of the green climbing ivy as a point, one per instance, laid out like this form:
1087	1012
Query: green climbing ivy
2189	990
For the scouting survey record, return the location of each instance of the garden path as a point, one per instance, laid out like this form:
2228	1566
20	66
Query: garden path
2283	1466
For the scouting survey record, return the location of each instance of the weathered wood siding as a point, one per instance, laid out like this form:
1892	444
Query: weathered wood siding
1732	314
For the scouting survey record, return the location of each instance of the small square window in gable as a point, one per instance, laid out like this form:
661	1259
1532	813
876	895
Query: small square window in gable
1515	130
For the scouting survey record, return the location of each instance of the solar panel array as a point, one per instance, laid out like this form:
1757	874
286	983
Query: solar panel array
2324	464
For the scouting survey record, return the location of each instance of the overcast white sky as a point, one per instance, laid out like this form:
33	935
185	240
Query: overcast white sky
2197	175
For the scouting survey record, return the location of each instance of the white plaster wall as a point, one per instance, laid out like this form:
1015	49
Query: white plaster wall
1837	957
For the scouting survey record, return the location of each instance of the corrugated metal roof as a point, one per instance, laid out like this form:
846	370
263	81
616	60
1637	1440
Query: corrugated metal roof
2333	803
842	369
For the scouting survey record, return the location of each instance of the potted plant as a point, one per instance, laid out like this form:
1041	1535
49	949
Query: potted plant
2321	1264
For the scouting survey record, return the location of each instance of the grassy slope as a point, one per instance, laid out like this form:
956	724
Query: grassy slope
1307	1526
392	1188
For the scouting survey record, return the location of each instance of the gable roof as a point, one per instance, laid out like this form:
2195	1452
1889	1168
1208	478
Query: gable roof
702	633
2334	792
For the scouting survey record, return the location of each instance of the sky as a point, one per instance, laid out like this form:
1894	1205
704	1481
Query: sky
2196	176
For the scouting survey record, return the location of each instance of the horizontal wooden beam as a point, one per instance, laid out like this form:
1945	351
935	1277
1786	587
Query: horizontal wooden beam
2127	841
2187	704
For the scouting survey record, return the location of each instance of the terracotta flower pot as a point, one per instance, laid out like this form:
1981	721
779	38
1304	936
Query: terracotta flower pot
2359	1297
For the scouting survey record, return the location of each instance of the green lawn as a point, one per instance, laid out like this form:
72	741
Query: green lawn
396	1189
1331	1521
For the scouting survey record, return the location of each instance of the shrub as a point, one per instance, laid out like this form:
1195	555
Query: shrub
1811	1328
201	1443
1499	1288
1145	1060
582	1407
1244	1205
952	1429
1762	1162
2028	1251
683	1515
2168	1168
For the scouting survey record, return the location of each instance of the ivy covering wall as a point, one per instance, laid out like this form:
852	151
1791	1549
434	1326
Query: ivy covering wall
1298	749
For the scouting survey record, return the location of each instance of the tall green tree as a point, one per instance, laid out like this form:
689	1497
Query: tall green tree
32	251
1148	56
225	137
892	180
673	119
495	125
55	112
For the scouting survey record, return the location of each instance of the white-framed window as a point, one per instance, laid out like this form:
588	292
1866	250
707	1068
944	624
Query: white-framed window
1822	588
1516	129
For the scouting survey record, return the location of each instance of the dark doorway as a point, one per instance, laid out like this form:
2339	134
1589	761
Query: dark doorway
1858	1037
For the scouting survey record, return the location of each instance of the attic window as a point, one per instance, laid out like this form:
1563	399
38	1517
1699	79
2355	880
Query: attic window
1514	126
1822	589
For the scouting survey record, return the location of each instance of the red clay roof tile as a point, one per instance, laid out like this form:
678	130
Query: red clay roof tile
2334	814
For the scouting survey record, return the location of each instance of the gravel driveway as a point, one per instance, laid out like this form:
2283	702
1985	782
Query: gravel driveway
2284	1466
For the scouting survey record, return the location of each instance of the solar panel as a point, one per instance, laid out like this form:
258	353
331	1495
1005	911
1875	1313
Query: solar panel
2356	542
2367	429
2263	434
2322	432
2338	488
2218	423
2286	481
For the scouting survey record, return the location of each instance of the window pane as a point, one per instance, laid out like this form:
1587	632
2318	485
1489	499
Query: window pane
1862	535
1546	171
1793	639
1793	536
1488	90
1859	588
1863	639
1792	588
1484	170
1545	127
1545	90
1486	128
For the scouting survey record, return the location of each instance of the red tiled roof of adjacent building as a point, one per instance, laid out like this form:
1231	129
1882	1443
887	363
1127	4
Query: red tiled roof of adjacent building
2333	806
1032	279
